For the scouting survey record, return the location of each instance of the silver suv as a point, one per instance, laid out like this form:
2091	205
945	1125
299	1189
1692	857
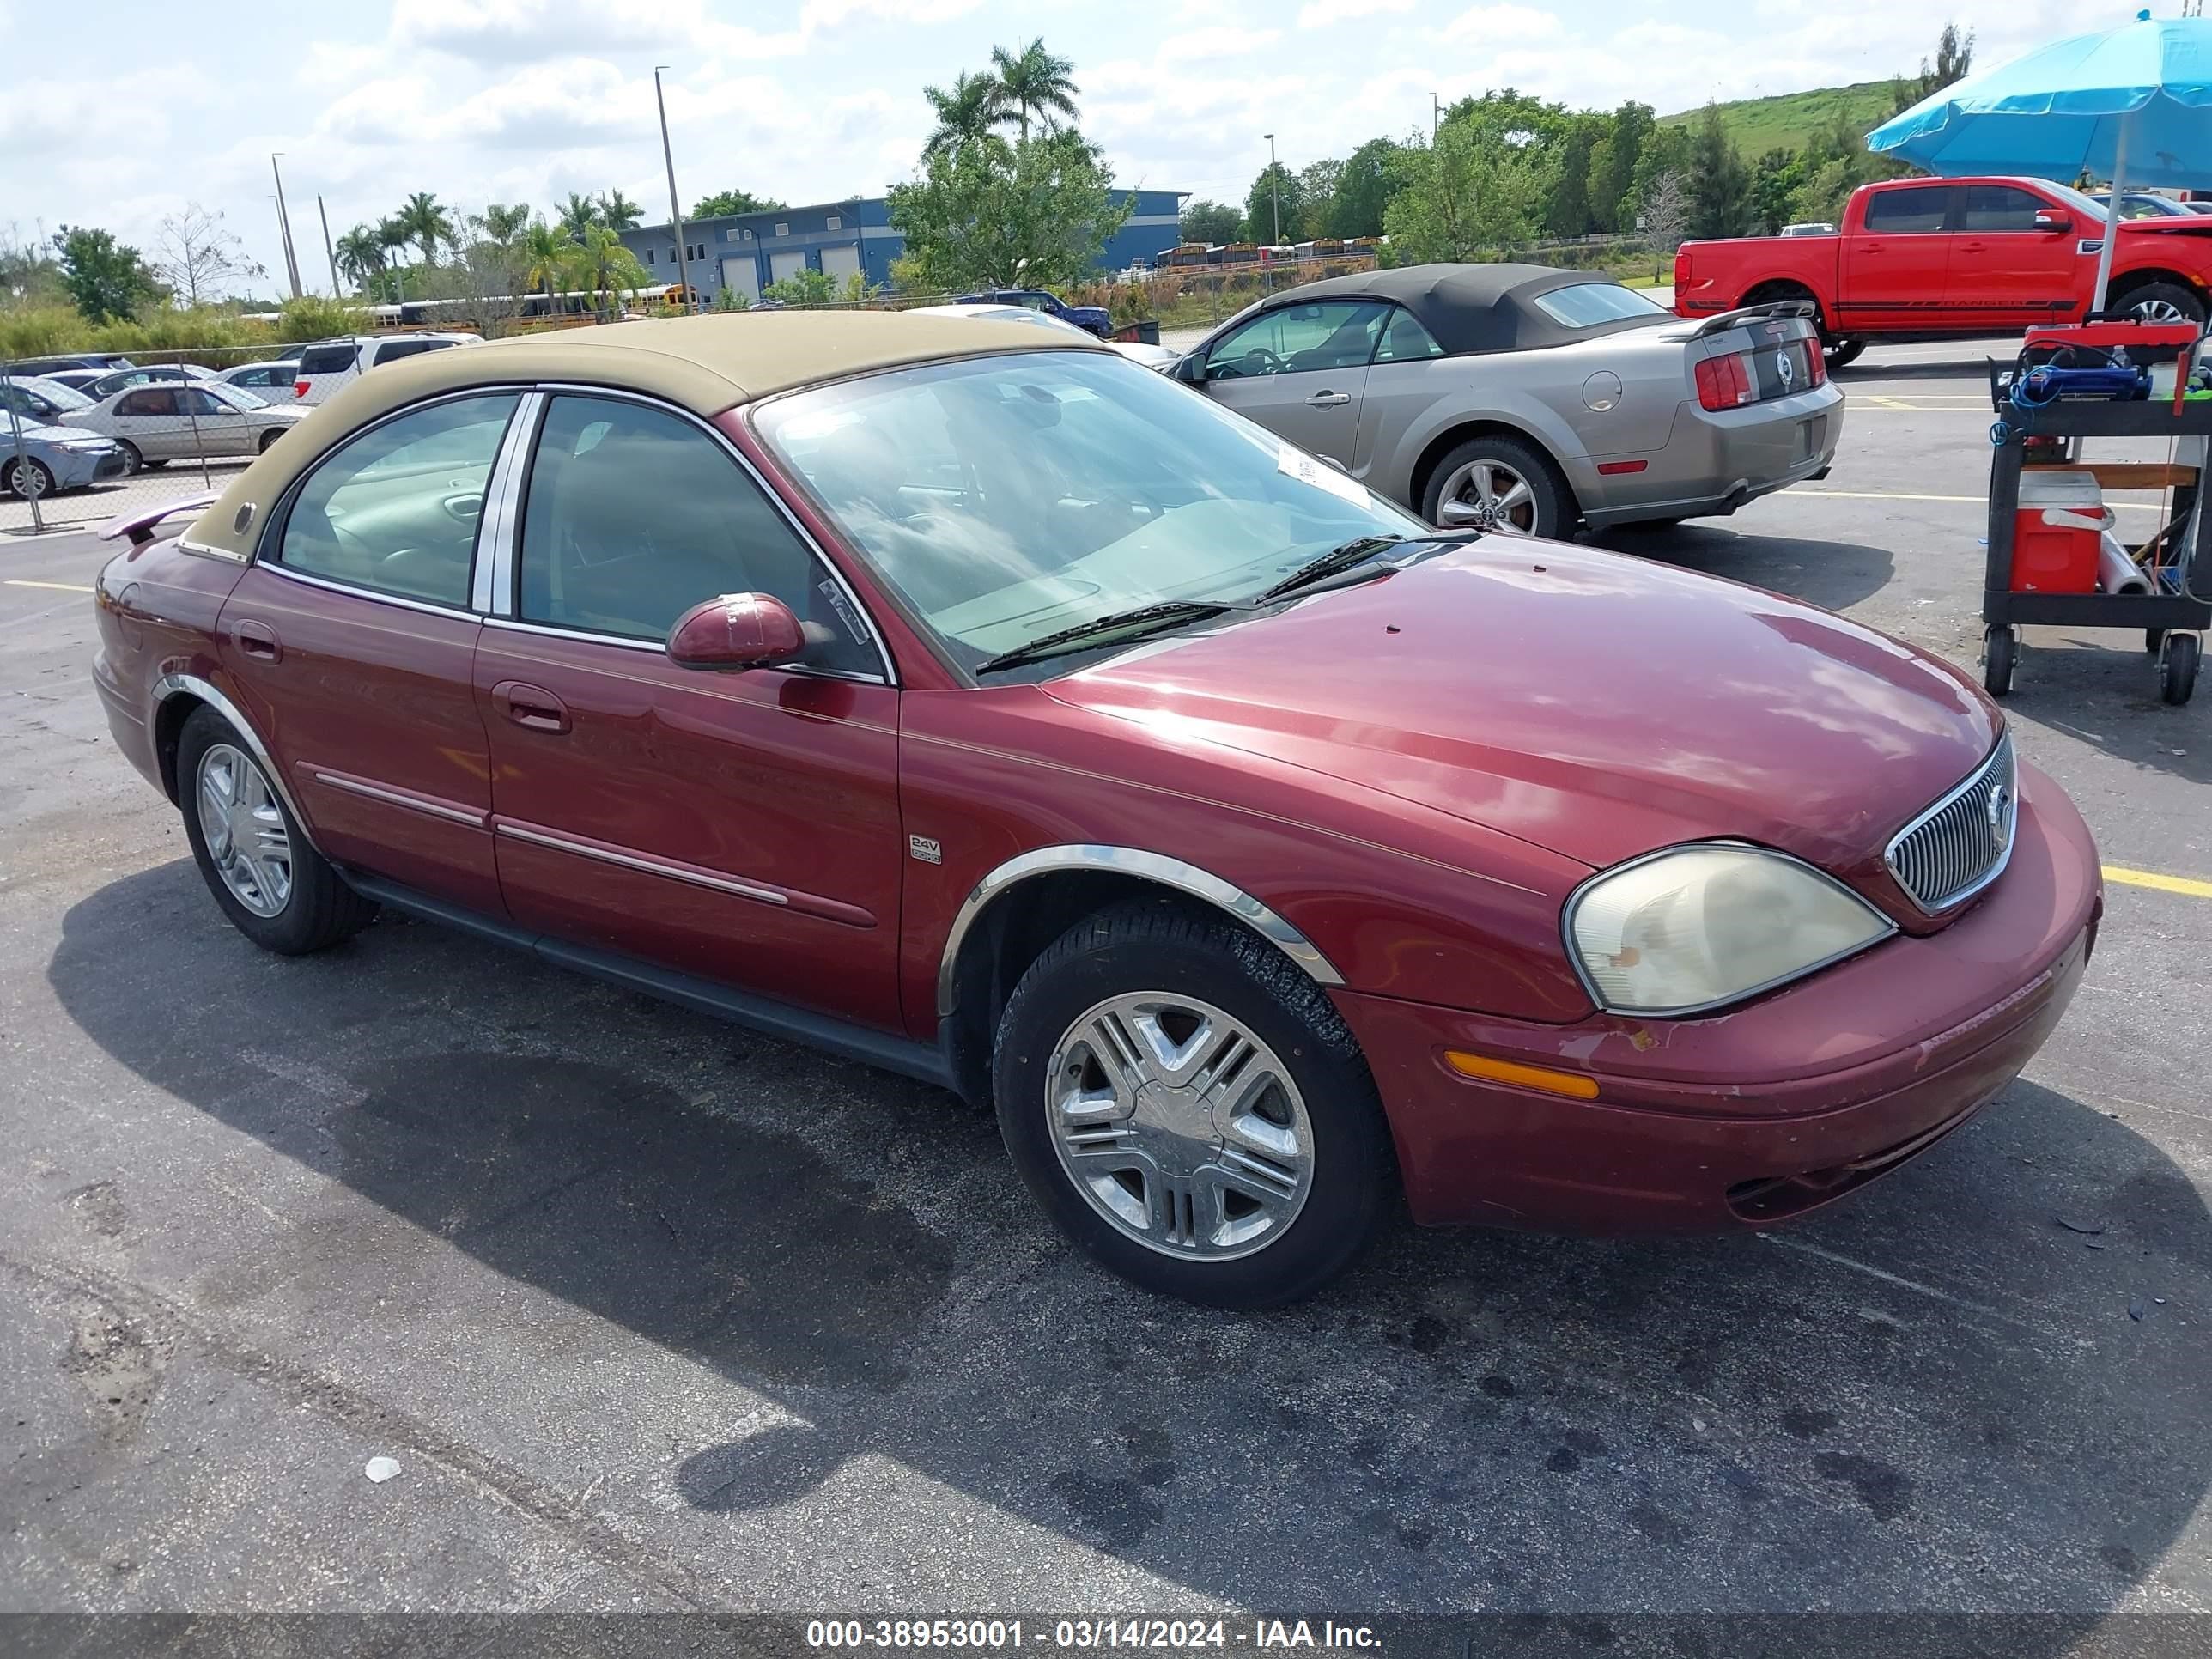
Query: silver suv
328	364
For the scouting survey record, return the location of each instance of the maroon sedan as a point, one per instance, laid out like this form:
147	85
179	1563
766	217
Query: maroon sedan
984	707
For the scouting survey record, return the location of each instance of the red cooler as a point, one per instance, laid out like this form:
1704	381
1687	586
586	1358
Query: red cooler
2056	532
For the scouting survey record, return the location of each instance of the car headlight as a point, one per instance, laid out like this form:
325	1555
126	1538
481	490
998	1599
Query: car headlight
1697	927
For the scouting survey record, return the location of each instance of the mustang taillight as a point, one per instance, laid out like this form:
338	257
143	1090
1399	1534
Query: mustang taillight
1816	363
1724	382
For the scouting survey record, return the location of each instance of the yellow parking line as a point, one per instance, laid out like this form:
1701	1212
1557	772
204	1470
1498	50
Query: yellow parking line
64	587
2186	885
1899	496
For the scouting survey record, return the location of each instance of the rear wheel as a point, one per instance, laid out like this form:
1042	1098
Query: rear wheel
2163	302
2000	647
1839	353
26	477
276	888
2176	666
132	461
1190	1109
1497	482
267	439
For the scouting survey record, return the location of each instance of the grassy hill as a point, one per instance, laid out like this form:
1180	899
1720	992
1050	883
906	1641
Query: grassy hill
1786	120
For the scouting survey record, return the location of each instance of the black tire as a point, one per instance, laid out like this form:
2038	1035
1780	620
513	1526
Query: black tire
2177	667
133	462
152	465
1840	354
320	909
2000	649
261	445
1553	509
2157	297
1146	945
15	475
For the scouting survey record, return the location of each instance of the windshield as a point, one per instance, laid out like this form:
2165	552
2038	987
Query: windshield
1585	305
1010	497
2073	198
235	397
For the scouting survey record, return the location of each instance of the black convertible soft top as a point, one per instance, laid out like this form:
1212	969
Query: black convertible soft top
1469	308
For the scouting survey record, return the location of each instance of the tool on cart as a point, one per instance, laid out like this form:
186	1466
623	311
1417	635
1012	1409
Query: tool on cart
2053	555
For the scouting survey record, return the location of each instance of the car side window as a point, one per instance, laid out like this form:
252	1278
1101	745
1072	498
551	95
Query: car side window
2000	207
634	515
393	350
395	510
1908	212
148	401
1404	338
197	402
1294	339
325	359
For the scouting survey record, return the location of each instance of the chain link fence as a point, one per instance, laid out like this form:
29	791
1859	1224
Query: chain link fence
168	425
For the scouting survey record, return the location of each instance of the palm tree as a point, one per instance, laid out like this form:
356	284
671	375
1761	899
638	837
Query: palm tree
393	237
429	225
549	260
965	115
1034	83
360	255
618	212
503	224
578	215
607	265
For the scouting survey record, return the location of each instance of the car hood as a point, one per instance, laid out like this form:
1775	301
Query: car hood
49	434
1593	704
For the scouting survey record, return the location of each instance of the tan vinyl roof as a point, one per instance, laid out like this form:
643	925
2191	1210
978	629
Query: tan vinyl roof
705	364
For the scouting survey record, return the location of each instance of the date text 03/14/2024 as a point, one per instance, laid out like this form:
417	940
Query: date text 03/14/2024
987	1635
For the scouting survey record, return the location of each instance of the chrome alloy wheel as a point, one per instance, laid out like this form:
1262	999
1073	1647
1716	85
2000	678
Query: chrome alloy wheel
1180	1126
1486	495
244	828
2159	311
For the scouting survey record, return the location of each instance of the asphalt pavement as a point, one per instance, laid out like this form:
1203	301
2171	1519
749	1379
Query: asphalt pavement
657	1315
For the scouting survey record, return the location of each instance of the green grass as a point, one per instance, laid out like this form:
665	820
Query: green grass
1786	120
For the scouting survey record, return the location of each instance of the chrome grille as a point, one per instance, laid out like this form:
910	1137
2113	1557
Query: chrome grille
1959	845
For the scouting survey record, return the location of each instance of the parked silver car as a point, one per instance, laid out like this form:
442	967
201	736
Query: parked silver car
158	423
1515	396
118	379
272	381
37	460
39	401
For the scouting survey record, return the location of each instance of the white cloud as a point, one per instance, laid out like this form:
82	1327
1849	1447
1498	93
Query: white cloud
1319	13
1201	45
1488	24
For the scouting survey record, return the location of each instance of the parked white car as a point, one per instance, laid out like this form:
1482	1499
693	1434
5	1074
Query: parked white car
1161	358
156	423
272	381
328	364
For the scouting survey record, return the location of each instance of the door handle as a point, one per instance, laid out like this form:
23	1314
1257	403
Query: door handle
533	706
257	639
1328	399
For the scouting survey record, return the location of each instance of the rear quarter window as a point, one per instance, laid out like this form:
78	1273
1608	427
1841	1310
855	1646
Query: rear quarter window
325	359
1585	305
1908	212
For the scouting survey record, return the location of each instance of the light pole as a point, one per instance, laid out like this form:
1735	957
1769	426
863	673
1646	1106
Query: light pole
284	224
1274	186
329	253
675	211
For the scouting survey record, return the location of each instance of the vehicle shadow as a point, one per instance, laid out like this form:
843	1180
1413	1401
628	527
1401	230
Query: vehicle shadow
1834	575
1970	364
1936	1399
2100	685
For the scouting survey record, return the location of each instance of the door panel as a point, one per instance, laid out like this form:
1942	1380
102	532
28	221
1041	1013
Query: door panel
1301	372
2003	269
1896	268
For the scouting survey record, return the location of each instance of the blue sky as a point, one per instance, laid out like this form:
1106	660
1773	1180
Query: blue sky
142	105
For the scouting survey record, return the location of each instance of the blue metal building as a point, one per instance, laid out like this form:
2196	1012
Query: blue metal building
748	251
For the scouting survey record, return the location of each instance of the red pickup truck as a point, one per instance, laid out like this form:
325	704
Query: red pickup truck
1938	258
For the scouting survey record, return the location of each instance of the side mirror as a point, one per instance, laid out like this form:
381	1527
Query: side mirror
736	631
2051	219
1189	368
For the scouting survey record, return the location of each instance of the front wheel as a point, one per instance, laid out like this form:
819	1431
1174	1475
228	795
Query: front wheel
26	477
276	888
2163	302
2000	647
1498	483
2177	667
1189	1109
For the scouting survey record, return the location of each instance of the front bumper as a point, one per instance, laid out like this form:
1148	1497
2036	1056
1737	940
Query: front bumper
1748	1117
77	469
1716	461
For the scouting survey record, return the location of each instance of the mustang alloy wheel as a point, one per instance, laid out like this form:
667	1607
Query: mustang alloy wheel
1190	1108
1497	482
274	886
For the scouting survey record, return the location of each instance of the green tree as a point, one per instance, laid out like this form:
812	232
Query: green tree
361	256
549	260
1317	187
1567	214
1472	193
503	223
1274	207
965	113
1614	172
578	215
606	266
1775	178
992	213
1720	186
1664	149
618	212
428	226
725	203
1954	56
1212	223
1362	190
393	237
106	278
803	287
1033	84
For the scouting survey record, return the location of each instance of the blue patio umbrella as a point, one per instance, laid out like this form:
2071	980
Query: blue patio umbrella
2135	101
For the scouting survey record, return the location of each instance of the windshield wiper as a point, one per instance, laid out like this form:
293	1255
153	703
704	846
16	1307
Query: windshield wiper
1341	558
1130	624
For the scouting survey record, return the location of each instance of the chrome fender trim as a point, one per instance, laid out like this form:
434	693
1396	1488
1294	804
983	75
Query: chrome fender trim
1148	866
170	685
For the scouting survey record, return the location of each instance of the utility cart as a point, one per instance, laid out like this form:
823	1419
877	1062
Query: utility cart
2030	440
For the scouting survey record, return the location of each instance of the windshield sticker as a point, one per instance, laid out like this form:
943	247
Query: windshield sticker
1320	474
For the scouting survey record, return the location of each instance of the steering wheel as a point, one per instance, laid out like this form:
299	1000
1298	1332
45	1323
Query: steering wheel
1258	360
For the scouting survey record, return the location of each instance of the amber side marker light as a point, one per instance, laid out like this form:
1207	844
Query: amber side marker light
1527	1077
